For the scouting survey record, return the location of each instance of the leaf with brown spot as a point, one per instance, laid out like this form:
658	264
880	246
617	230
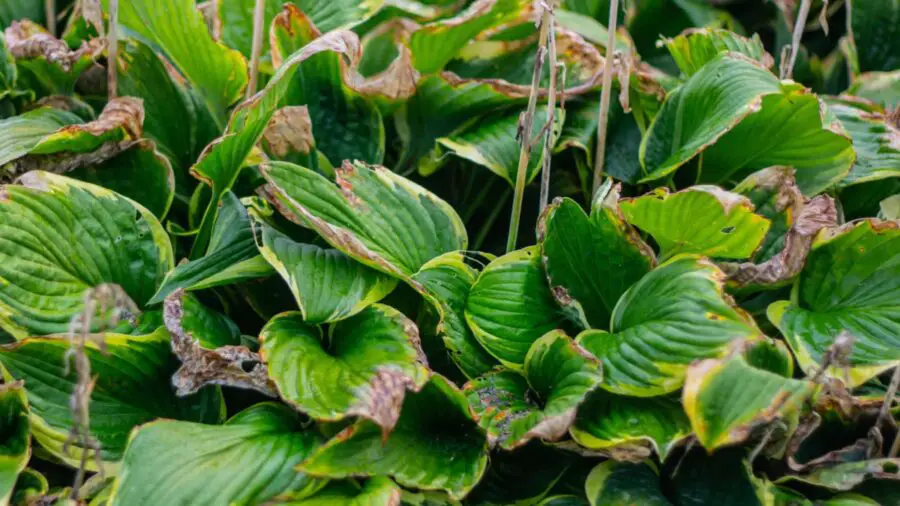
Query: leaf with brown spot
363	368
542	404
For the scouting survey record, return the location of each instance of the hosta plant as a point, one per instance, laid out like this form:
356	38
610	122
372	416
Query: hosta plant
489	252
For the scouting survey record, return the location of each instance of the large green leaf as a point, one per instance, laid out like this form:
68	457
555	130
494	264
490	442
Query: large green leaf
875	28
630	428
15	448
851	282
363	368
705	107
346	122
444	283
436	43
514	409
721	478
167	102
330	16
732	99
882	88
375	216
377	491
13	10
794	128
435	445
510	306
61	237
521	476
703	220
727	399
492	143
22	133
876	140
591	260
235	20
614	483
327	284
230	258
178	29
693	49
676	314
248	460
132	386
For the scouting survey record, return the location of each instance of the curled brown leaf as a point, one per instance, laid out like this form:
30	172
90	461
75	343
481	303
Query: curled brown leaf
27	40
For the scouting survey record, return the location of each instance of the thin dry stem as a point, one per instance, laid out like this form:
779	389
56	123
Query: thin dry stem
525	123
50	13
605	94
551	112
799	25
256	49
884	414
104	307
112	78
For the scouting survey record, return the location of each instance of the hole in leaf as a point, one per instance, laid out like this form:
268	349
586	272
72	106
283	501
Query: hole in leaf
248	365
728	230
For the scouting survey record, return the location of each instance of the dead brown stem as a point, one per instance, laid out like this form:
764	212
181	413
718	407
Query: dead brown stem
256	49
605	94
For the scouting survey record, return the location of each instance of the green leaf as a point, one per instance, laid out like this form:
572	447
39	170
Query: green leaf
223	159
675	315
875	29
140	173
709	104
693	49
346	123
330	16
630	427
491	142
794	128
510	306
513	409
445	283
132	386
44	63
62	237
435	445
440	105
703	220
20	134
880	87
436	43
721	478
167	102
377	491
563	500
177	28
231	257
236	27
727	399
521	476
13	10
591	260
614	483
327	284
363	368
851	282
210	328
876	140
373	215
847	475
15	448
30	485
248	460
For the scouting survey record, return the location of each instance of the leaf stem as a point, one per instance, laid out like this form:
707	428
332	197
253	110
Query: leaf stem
256	49
50	13
605	93
112	39
524	133
799	25
549	134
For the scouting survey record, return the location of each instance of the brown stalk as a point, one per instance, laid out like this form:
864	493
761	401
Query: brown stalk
605	93
112	78
799	25
104	307
525	123
50	13
551	113
256	49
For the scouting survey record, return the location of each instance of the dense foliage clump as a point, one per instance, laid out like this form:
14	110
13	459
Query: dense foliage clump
416	253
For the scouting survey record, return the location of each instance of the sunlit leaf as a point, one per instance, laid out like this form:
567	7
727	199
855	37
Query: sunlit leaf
693	49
